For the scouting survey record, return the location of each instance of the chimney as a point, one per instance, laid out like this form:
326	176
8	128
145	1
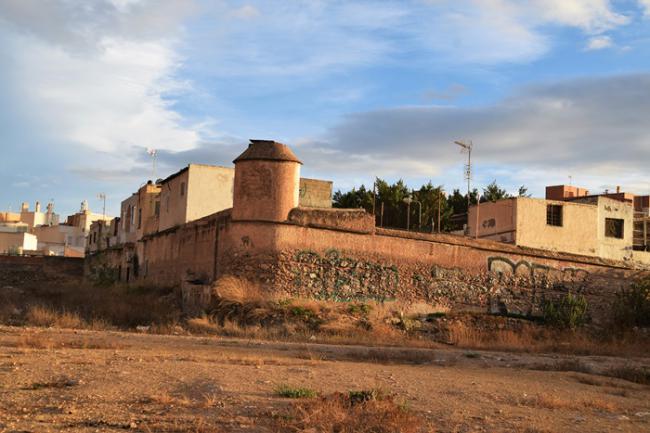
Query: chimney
618	189
37	208
24	207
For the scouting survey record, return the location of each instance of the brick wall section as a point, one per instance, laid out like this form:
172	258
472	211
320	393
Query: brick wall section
28	271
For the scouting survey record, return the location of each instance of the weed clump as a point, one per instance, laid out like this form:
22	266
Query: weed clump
632	306
568	312
287	391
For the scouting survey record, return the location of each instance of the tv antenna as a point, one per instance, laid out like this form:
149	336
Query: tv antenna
152	153
102	196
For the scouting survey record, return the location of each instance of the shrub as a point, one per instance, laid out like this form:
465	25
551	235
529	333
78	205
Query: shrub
287	391
632	306
568	312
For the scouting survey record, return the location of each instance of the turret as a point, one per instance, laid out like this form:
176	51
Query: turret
267	180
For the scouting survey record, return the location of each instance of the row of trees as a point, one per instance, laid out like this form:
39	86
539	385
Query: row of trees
427	203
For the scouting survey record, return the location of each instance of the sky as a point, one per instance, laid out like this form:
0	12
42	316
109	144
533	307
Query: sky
548	91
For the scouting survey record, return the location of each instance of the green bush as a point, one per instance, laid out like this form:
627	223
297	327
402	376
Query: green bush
287	391
567	312
632	306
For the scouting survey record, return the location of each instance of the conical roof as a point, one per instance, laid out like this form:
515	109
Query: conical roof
267	150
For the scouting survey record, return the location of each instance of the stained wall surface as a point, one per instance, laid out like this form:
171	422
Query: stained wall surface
173	200
496	221
265	190
210	190
315	193
17	242
577	235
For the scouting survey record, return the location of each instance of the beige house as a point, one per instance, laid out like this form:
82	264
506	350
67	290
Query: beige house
37	218
58	239
194	192
139	214
589	225
84	218
200	190
17	242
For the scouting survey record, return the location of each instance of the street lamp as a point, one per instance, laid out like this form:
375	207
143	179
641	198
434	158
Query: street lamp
467	147
408	200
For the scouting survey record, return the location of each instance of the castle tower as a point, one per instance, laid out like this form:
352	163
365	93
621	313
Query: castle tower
267	180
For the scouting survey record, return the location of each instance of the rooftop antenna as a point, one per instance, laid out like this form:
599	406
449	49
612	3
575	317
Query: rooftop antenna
467	147
102	196
152	153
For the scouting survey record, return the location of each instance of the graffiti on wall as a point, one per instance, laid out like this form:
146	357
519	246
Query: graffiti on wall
336	277
504	267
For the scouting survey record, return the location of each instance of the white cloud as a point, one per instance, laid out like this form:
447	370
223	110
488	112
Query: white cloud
246	12
599	43
97	75
591	127
645	4
593	16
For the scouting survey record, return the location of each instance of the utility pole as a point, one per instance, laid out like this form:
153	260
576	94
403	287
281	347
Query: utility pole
439	205
467	147
478	209
408	201
374	200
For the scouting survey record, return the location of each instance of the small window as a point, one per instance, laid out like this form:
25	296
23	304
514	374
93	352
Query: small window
157	208
614	228
554	215
139	217
182	189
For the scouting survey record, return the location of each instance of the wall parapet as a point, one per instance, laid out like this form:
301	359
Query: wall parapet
495	246
352	220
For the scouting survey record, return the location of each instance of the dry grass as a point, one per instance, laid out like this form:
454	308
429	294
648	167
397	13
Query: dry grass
66	305
38	315
166	399
553	402
539	339
344	413
50	342
238	290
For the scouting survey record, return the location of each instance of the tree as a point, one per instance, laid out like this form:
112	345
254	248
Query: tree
353	199
523	192
458	202
493	193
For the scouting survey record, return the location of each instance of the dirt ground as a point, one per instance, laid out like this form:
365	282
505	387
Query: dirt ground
54	380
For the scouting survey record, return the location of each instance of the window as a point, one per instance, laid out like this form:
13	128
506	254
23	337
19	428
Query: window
614	228
157	209
182	189
554	215
139	217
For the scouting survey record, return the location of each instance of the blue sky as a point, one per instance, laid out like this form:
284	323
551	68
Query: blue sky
546	89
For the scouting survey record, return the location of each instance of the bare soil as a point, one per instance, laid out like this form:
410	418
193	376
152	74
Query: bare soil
55	380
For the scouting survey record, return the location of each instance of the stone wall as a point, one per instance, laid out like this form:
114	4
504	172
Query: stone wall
295	258
29	271
456	272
